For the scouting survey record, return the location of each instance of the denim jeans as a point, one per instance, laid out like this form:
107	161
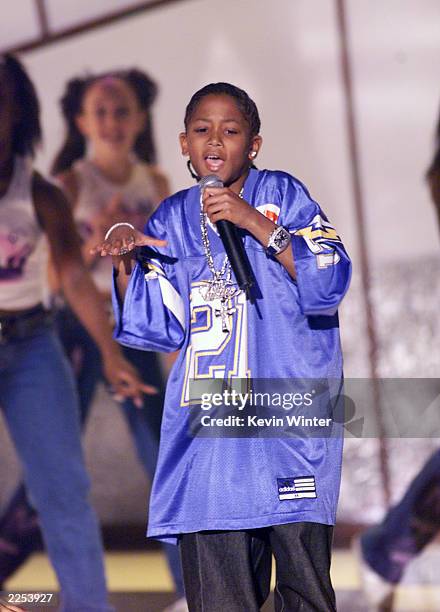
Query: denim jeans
39	402
144	423
407	527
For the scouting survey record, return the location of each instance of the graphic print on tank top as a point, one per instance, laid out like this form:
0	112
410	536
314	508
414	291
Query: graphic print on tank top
17	242
137	201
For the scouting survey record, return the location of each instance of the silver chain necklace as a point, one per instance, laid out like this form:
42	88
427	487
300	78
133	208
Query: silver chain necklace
220	286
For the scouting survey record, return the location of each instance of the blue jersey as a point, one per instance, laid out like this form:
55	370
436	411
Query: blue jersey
289	331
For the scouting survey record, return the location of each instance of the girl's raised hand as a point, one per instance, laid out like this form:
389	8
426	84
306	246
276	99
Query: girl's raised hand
124	378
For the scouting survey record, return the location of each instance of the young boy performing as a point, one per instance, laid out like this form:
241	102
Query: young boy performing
224	498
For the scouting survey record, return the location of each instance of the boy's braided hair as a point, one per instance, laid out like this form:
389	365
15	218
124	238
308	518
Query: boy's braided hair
245	104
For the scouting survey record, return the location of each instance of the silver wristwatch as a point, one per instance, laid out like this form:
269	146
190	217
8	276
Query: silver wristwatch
279	240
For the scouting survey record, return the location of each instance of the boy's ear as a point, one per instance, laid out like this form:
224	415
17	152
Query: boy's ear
183	143
256	143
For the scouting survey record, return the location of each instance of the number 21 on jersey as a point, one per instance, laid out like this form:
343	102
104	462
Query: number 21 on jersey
212	352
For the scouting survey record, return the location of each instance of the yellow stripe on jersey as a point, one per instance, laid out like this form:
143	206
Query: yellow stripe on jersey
327	233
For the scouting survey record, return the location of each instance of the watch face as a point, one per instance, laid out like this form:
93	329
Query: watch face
281	238
279	241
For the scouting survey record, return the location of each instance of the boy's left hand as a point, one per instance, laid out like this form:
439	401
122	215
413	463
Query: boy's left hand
222	203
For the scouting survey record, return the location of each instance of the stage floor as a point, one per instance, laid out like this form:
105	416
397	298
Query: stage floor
140	582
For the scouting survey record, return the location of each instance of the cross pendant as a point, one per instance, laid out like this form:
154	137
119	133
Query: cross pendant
224	312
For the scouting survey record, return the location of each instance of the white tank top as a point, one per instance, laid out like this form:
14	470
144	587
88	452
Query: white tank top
95	192
23	244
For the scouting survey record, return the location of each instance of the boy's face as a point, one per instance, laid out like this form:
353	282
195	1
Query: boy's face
218	142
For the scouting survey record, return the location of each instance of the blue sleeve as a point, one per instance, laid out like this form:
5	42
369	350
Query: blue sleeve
323	268
152	317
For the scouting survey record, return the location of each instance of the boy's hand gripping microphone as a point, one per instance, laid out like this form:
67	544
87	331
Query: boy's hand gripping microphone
231	241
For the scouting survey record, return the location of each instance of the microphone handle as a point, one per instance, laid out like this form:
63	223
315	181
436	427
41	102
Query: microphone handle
236	254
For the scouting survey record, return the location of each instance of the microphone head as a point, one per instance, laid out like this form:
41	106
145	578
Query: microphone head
210	180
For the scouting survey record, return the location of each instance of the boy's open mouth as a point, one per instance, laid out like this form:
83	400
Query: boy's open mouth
214	162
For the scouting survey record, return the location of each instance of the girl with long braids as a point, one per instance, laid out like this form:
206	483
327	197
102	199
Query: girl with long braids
37	392
107	169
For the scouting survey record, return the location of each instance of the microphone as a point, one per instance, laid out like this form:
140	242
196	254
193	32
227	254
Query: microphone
231	241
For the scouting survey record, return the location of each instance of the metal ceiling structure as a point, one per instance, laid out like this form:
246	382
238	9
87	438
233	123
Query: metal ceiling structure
31	24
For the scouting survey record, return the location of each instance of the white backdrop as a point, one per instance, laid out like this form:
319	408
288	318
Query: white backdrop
286	55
